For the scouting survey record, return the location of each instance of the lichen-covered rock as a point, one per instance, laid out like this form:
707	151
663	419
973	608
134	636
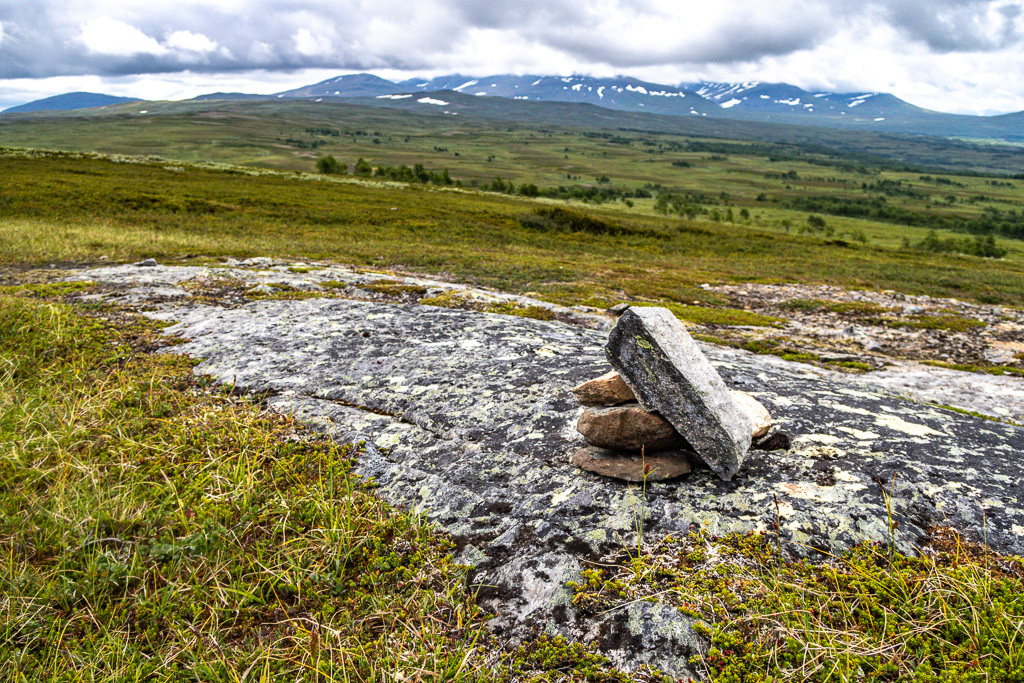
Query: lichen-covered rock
606	390
760	419
668	373
469	418
626	427
629	466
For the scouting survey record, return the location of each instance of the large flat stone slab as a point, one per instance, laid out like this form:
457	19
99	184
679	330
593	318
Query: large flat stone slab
669	374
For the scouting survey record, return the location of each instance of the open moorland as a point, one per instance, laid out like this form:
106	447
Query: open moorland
156	526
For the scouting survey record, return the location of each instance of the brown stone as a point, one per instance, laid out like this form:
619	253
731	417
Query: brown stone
627	427
606	390
629	466
757	413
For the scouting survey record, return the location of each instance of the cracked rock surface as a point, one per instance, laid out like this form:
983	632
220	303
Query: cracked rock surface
469	418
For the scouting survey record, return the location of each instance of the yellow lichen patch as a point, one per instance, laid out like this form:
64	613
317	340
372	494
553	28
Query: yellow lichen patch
858	434
901	425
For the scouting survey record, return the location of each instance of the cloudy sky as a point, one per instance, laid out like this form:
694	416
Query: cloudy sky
964	56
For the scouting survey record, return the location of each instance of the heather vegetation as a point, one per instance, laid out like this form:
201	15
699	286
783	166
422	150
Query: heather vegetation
155	527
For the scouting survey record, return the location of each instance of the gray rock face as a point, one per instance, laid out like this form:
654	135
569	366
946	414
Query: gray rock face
469	418
627	427
668	373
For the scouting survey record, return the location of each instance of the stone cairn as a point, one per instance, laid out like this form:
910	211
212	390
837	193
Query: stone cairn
663	404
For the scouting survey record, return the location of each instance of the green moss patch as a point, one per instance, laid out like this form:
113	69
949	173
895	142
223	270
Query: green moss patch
986	369
702	315
466	301
953	323
872	614
846	308
394	287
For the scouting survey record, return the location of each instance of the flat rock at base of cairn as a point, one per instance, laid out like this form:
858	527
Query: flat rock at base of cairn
606	390
629	467
757	413
668	374
627	427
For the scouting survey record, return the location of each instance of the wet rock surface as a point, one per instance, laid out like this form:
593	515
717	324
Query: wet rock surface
469	417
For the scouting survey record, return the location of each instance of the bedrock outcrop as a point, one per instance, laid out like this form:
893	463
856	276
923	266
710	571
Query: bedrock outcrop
469	418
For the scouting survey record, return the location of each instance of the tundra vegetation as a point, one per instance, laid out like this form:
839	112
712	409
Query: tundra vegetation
156	526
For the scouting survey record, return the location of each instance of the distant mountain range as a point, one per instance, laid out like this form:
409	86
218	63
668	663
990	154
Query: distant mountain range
762	102
69	101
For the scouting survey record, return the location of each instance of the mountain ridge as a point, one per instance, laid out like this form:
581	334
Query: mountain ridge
751	101
69	101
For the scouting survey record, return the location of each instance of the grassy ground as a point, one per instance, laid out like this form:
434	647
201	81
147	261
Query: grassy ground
67	208
154	528
954	613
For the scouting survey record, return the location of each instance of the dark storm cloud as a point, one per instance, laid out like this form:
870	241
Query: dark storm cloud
40	38
960	25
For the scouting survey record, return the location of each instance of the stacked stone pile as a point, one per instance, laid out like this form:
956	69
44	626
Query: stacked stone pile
662	405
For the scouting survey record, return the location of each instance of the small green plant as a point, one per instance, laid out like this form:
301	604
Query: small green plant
562	219
984	246
328	165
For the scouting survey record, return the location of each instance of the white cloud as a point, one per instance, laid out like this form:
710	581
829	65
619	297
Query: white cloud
193	42
108	36
961	55
311	45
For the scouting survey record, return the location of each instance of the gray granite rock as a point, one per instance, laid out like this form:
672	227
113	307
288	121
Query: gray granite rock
669	374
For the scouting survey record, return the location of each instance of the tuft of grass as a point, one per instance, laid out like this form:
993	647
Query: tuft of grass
953	323
394	287
806	305
703	315
463	300
848	308
153	529
563	219
954	613
998	370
